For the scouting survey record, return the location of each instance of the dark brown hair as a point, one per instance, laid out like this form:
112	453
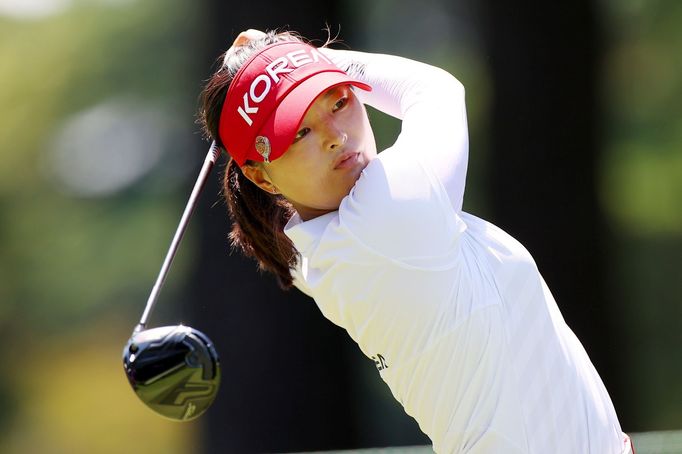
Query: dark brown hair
258	217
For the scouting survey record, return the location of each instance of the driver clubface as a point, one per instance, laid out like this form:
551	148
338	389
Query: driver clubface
174	370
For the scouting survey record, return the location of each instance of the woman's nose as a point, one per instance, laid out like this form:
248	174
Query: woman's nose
336	137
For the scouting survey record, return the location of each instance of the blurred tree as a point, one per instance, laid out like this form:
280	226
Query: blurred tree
76	266
641	186
546	144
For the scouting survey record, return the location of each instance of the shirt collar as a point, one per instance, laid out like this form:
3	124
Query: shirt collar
304	234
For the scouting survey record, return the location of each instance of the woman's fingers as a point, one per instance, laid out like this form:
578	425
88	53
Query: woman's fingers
246	36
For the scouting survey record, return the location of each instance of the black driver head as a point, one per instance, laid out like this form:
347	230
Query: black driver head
174	370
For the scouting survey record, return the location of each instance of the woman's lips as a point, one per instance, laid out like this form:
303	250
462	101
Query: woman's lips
347	159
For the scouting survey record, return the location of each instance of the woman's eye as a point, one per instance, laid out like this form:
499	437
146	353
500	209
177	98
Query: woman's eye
340	103
301	134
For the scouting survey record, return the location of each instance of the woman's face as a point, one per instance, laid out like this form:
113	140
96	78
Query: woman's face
333	145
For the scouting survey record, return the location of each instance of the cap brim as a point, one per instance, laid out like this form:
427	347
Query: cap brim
282	125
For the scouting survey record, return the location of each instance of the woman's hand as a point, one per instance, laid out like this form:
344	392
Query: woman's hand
249	35
242	40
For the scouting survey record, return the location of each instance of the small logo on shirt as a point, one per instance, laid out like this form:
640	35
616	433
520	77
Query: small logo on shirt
380	362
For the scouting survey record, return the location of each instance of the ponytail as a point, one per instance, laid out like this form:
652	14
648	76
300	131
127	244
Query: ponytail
258	217
258	220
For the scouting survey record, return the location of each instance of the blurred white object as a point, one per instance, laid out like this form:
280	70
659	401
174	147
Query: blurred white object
108	147
39	9
32	9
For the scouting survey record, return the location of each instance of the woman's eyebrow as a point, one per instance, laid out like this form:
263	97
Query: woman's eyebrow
331	91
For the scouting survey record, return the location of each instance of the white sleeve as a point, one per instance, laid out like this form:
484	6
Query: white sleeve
400	211
429	101
299	279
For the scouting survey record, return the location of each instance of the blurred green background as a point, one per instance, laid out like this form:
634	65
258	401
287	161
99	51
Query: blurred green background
99	148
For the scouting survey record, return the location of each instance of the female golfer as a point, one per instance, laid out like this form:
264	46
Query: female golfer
452	310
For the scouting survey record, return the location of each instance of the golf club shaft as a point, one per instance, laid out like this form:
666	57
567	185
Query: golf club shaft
210	160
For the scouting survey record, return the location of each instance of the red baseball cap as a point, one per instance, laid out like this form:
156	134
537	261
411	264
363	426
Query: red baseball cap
270	95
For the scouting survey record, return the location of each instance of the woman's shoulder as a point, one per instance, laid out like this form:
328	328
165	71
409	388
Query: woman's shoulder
398	206
401	177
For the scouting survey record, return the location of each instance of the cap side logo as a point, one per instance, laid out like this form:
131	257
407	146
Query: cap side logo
263	147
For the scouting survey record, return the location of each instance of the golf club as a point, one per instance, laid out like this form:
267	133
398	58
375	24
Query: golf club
174	370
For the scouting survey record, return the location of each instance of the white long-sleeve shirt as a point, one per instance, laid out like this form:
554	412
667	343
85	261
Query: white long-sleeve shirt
453	311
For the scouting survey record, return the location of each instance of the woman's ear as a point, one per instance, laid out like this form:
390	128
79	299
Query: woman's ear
257	175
